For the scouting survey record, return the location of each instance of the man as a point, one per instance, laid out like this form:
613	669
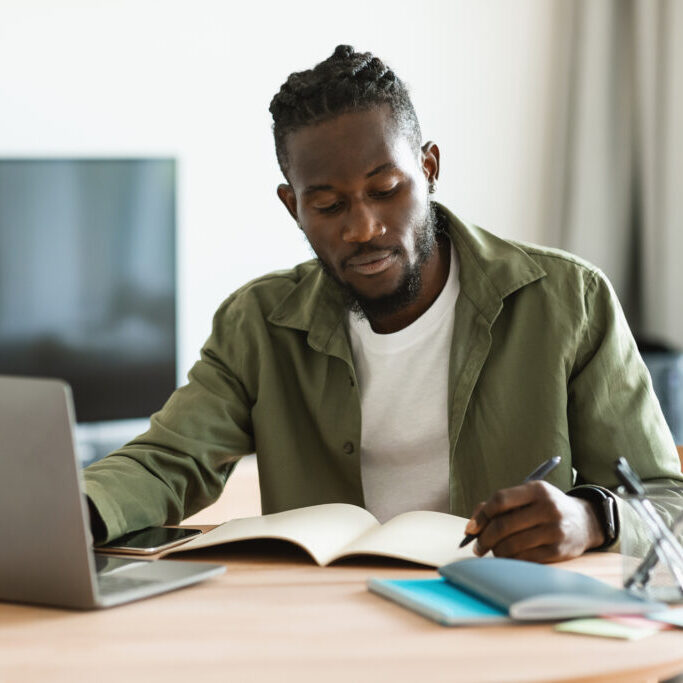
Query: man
418	363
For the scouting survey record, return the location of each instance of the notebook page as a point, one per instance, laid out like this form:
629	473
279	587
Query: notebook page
430	538
320	529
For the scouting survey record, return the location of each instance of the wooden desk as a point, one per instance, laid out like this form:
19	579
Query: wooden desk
275	616
278	617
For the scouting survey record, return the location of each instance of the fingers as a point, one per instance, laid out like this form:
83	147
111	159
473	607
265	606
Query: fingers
535	521
507	533
539	540
519	520
505	500
474	526
542	554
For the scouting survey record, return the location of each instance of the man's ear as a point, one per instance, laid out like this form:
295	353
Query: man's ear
288	198
431	158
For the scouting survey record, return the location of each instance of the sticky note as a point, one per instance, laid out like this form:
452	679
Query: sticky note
604	628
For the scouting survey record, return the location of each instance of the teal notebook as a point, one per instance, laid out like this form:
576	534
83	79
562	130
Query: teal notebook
492	589
438	600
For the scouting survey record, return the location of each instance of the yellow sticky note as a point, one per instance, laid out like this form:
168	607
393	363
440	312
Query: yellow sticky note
604	628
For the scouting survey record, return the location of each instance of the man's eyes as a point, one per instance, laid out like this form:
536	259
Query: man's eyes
375	194
384	193
331	208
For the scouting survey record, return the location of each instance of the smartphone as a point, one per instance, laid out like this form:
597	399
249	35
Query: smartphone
149	541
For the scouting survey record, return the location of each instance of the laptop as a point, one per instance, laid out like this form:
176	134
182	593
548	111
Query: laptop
46	554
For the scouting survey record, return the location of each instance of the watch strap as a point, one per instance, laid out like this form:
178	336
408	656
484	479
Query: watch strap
605	507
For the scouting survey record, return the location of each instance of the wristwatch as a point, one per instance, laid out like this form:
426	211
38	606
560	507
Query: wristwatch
605	508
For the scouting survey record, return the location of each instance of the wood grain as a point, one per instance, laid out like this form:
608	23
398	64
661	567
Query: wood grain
276	616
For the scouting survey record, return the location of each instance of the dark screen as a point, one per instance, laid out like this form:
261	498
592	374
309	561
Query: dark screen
87	279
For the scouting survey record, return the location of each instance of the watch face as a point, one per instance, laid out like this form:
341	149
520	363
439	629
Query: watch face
603	504
610	525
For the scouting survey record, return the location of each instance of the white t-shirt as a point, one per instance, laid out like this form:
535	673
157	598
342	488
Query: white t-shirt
403	383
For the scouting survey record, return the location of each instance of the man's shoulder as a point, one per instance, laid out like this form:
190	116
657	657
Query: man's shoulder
511	265
552	259
260	296
566	274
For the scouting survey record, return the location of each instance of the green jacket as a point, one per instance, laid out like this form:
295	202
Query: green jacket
542	363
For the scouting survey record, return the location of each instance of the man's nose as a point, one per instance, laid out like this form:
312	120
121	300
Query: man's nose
361	225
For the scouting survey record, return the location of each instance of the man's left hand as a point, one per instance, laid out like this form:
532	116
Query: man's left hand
535	522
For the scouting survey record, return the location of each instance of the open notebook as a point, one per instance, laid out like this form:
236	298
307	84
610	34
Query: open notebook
335	530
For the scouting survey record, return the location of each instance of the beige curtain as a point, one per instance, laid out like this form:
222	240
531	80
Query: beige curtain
615	194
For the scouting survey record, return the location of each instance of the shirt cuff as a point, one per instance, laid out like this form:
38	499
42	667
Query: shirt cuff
110	514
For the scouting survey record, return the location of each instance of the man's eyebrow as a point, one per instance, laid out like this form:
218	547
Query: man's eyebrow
317	188
384	167
321	188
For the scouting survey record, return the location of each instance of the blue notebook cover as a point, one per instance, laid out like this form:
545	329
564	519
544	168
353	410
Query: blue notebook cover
527	590
495	590
438	600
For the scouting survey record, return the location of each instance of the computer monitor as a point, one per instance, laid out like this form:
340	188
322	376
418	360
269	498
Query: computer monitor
88	279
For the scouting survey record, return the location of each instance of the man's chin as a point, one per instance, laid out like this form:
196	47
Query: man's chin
383	304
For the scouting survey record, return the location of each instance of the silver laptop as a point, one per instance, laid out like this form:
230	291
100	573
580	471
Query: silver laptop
46	552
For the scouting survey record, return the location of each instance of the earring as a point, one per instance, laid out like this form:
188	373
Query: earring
432	186
383	231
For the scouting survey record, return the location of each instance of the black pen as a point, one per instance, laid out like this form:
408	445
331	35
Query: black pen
539	473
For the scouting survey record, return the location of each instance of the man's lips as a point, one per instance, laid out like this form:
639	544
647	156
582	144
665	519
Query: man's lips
371	263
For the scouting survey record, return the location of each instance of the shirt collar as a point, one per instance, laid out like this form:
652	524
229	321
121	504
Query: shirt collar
490	269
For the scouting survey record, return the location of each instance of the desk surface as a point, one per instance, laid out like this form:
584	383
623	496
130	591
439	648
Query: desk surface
275	616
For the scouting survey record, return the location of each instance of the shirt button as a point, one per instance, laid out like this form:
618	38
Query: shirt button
348	448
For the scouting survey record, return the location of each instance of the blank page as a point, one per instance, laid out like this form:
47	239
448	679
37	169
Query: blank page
430	538
320	529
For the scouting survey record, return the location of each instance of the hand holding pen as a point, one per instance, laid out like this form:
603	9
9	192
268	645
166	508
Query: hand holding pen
539	473
534	521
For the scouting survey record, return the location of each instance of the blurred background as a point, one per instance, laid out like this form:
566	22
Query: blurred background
559	122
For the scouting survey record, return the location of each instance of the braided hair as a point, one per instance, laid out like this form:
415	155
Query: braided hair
346	81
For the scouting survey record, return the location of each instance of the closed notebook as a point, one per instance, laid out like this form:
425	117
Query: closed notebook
439	600
494	590
528	590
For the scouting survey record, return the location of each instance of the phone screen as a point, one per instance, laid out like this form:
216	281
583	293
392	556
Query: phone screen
150	540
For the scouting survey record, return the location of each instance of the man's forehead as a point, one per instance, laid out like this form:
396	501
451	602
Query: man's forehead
351	146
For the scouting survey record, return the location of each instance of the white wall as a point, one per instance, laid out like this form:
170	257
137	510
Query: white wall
194	80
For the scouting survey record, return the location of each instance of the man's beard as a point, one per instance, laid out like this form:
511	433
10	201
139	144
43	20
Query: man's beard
376	308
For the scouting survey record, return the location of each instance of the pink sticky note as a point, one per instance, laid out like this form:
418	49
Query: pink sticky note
638	622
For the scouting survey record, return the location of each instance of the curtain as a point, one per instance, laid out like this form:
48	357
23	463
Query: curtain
615	194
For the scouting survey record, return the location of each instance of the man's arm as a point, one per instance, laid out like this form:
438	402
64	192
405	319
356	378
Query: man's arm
180	465
611	411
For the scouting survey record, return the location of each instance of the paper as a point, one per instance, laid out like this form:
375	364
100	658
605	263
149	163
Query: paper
334	530
670	616
605	628
638	622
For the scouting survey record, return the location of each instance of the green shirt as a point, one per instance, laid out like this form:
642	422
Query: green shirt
542	363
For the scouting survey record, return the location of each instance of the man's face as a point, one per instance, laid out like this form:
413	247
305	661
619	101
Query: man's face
359	192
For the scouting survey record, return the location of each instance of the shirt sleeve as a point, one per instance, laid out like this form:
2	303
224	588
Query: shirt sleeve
612	411
180	465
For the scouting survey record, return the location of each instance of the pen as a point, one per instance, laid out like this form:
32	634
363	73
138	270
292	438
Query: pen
539	473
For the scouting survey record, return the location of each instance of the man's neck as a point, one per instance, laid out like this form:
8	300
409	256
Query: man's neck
434	275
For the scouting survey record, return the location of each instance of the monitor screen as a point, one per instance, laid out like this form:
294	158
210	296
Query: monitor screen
88	279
